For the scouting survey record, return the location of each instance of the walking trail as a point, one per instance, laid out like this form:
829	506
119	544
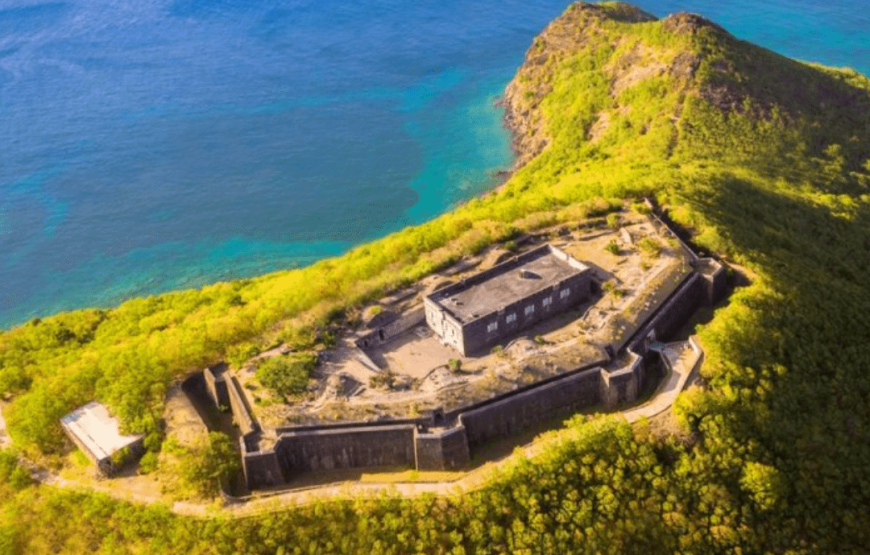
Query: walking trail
682	359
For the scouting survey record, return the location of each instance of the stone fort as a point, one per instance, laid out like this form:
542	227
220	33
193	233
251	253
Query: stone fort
469	316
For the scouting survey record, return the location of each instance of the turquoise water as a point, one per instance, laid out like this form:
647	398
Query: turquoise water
158	145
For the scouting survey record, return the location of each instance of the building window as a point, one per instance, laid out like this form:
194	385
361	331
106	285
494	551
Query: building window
512	317
492	326
530	310
564	293
548	301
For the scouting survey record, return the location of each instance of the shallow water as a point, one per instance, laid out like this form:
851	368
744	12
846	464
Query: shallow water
157	145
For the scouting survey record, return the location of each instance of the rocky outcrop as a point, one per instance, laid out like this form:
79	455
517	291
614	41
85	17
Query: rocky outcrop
563	37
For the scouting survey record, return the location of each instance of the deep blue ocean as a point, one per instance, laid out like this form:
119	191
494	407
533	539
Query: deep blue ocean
151	145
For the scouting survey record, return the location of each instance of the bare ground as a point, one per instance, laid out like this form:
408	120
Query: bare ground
411	375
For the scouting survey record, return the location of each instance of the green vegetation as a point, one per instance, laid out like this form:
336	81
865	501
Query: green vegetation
611	288
287	375
383	380
11	473
198	469
649	247
764	158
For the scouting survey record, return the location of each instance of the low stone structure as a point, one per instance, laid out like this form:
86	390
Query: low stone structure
480	311
437	441
388	330
95	432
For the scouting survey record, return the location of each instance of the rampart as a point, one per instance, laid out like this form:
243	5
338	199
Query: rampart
440	441
515	413
449	444
216	385
385	445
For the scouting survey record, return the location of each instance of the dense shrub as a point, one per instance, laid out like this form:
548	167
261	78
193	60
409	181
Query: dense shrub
772	456
287	375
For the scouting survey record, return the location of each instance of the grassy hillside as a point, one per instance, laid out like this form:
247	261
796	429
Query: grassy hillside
764	158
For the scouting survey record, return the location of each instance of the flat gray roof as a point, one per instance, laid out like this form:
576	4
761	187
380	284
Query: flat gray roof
97	430
506	284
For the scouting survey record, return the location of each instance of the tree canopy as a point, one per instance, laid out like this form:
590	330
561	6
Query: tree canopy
765	159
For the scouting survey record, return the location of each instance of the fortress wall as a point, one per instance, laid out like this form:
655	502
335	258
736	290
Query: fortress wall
520	411
348	448
216	386
261	468
622	385
388	332
713	273
672	315
442	450
665	229
241	413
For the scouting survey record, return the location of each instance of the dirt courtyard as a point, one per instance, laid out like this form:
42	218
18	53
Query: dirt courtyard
635	268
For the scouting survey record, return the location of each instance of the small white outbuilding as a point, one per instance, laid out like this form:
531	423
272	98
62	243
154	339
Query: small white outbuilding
96	432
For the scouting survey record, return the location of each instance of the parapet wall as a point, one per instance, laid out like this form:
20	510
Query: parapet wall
519	412
387	332
241	412
216	385
390	445
262	468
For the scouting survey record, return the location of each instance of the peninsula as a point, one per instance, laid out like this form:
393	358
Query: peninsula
760	161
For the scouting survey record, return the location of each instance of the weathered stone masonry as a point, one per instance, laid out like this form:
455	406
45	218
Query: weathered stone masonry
448	441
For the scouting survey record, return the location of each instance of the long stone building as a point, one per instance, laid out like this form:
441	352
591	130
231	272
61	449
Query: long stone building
478	312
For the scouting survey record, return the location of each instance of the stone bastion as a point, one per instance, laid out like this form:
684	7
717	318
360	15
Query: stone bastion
456	420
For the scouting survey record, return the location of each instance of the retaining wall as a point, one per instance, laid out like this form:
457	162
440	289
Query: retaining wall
262	468
216	385
389	445
241	412
442	450
519	412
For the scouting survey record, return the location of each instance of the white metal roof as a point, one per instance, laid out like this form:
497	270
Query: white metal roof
97	430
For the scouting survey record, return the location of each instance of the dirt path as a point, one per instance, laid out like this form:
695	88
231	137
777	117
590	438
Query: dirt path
684	358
